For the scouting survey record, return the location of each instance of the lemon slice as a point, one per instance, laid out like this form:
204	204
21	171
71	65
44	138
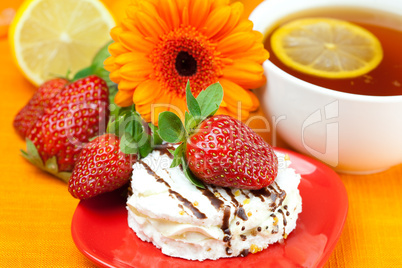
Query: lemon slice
53	37
327	48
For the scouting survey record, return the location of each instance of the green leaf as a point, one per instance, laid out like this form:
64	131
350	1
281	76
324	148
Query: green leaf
32	154
171	128
51	166
189	175
156	139
144	144
177	155
102	55
96	66
210	99
84	72
189	122
192	104
128	145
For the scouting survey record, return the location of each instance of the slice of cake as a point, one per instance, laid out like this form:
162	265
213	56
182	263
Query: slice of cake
184	221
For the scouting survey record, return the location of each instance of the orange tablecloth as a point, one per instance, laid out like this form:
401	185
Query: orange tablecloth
36	209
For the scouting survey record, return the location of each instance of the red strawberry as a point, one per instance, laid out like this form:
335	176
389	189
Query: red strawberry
226	152
101	168
30	113
78	113
219	149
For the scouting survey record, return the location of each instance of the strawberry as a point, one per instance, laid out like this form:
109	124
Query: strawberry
225	152
217	150
34	109
78	113
102	167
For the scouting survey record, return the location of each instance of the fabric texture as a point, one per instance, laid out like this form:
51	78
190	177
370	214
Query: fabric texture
36	209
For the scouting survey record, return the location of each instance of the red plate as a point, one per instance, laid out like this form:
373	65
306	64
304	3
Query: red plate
100	231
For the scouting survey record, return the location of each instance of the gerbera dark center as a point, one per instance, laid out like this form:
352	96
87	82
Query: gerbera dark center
186	54
185	64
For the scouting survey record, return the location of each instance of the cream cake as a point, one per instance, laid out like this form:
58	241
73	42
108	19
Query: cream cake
184	221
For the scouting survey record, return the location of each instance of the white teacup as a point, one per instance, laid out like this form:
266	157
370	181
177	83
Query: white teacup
352	133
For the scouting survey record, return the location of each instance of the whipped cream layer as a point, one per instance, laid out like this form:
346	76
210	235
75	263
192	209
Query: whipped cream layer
197	224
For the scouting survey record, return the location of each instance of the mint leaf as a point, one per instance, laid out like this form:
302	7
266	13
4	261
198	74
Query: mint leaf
189	175
102	55
51	166
192	104
189	122
144	144
127	144
210	99
96	66
177	155
156	139
171	128
84	72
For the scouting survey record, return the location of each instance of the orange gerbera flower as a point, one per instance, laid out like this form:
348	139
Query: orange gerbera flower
164	43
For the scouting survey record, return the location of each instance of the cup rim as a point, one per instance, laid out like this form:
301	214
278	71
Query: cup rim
309	86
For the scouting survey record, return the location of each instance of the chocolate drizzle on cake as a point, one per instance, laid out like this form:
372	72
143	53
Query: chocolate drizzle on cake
261	193
283	216
164	150
244	252
152	173
241	213
215	201
225	222
196	212
223	199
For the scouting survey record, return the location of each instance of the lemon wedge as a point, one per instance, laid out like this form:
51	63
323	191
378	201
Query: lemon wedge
329	48
50	38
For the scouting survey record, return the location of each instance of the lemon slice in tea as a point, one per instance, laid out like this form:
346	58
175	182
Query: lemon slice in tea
329	48
53	37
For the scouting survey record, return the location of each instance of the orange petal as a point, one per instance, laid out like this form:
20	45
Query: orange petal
238	42
110	65
123	98
109	61
178	106
136	71
115	32
238	112
116	49
216	20
161	104
256	101
198	12
125	85
235	95
257	53
149	26
115	76
135	42
129	57
170	14
223	110
219	3
146	92
185	17
181	5
146	117
258	36
129	25
235	15
144	108
243	26
245	73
